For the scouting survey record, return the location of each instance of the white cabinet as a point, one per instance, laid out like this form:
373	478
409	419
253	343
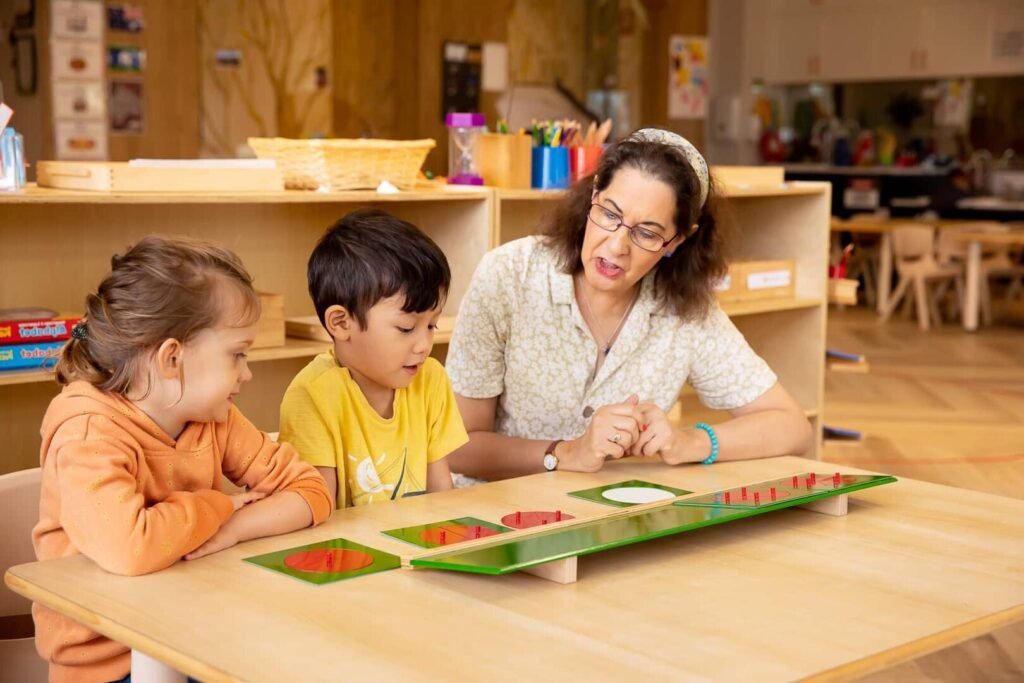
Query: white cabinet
840	40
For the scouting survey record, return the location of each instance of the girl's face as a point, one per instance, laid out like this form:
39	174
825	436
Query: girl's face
612	261
215	368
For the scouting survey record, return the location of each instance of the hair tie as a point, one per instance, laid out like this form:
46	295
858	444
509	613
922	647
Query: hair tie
78	331
666	137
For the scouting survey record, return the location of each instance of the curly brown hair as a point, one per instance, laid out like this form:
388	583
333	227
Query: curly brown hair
161	288
685	281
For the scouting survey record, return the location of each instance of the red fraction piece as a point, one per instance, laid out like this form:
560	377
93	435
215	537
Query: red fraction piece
328	560
757	498
772	492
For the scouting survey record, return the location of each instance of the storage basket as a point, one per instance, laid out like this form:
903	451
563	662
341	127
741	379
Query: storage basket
343	164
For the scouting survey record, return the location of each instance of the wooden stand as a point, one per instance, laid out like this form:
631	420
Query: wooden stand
835	506
562	571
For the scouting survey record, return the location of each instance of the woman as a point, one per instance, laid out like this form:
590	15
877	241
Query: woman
569	348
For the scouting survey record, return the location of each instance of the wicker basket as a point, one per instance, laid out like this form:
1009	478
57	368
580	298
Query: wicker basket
340	164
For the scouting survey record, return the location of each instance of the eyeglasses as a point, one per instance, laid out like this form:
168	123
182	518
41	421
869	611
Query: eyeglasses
606	219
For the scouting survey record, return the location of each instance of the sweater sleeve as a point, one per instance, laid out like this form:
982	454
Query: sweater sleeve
253	459
107	519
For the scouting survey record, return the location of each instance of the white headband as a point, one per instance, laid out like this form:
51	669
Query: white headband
666	137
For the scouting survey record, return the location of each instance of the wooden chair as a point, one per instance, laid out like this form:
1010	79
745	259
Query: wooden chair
19	662
913	248
996	261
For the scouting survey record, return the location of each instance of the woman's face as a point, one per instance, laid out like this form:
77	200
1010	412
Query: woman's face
612	262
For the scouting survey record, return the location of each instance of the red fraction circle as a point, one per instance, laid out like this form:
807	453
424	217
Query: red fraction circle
328	561
455	533
525	520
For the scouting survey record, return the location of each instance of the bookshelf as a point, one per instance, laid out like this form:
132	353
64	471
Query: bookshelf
58	246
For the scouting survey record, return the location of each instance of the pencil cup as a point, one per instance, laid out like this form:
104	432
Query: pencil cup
550	168
583	161
504	160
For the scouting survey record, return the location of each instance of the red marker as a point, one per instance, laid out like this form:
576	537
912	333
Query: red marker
757	498
772	492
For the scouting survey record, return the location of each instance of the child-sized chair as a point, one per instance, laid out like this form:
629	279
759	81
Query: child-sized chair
19	494
913	248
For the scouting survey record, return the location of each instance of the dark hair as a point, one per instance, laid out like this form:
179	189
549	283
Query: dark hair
369	255
685	282
161	288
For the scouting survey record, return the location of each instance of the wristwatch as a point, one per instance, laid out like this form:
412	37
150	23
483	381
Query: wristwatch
550	459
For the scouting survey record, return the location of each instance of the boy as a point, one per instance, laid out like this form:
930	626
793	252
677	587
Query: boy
376	414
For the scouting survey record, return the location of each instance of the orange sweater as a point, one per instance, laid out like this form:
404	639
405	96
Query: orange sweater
119	490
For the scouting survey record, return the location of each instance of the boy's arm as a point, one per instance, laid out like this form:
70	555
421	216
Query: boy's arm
253	459
439	476
312	434
445	431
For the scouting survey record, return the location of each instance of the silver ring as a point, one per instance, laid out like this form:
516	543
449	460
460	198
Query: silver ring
617	438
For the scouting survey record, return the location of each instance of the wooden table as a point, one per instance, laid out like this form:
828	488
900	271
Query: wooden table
974	241
914	567
882	228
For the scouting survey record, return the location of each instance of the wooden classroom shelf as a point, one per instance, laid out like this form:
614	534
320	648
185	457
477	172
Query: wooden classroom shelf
58	244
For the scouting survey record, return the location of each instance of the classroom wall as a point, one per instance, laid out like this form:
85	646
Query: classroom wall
274	89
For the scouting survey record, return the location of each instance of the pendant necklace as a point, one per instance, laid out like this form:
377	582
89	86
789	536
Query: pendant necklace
607	346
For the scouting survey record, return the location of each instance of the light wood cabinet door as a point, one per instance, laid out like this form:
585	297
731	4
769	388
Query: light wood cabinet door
1005	50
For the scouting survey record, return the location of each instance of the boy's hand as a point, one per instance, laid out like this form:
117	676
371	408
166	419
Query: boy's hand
240	500
222	540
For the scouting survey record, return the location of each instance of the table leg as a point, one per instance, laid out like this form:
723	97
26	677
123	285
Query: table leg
145	669
971	298
884	272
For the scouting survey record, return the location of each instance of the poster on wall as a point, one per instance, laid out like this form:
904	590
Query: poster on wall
126	18
79	100
128	59
76	60
77	19
687	77
80	140
461	66
126	106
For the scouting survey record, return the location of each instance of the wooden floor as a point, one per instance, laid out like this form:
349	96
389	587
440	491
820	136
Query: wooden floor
943	406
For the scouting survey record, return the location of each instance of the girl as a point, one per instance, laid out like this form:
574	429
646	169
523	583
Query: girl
135	446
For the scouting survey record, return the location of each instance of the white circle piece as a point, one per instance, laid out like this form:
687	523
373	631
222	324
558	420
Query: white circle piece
636	494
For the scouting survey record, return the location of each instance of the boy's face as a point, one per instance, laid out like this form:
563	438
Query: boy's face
389	352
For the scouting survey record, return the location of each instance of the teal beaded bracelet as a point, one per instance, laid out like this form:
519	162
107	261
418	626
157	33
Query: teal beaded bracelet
714	442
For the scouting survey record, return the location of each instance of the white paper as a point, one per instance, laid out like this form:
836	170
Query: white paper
5	115
687	77
495	67
82	100
80	140
76	60
202	163
769	278
82	19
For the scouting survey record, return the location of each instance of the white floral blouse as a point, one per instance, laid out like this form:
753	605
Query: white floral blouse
519	335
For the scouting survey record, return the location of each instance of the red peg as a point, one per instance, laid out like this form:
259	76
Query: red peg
796	484
808	482
519	518
544	521
558	515
757	498
835	480
743	492
727	497
772	492
813	478
476	532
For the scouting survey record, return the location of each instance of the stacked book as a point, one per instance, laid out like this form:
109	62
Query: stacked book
33	343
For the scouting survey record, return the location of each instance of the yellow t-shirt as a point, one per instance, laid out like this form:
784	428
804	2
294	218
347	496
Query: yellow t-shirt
328	420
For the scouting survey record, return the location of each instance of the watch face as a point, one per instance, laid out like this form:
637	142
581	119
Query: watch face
550	462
